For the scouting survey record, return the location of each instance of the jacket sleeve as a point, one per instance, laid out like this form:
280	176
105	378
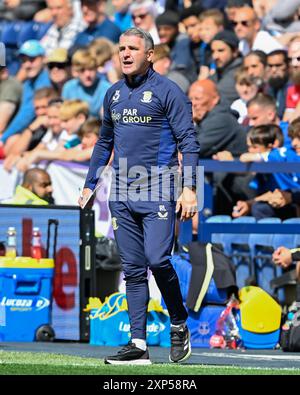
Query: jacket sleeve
179	114
296	254
102	149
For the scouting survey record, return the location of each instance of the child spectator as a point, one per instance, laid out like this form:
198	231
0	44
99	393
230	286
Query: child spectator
261	141
280	190
211	23
67	117
102	50
88	86
247	88
73	113
88	134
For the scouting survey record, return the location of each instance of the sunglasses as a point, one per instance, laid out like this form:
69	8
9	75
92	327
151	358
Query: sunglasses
140	16
243	23
296	58
57	65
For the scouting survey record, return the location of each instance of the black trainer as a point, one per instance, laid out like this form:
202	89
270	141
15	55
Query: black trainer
129	355
180	344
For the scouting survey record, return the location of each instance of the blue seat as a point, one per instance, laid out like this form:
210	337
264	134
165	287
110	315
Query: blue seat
9	36
261	248
32	31
218	238
286	240
238	244
10	33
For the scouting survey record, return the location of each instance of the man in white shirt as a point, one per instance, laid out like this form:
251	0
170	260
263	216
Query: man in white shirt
247	28
65	27
143	15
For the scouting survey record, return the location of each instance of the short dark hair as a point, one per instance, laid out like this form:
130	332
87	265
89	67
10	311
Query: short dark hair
261	55
279	52
194	10
262	100
91	125
45	93
265	135
238	3
31	175
294	128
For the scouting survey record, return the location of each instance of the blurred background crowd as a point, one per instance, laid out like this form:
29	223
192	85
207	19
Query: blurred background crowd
237	60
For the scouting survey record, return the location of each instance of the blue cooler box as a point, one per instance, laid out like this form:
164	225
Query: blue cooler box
25	297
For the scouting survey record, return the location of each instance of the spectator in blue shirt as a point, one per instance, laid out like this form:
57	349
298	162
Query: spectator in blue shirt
122	16
88	86
32	57
99	25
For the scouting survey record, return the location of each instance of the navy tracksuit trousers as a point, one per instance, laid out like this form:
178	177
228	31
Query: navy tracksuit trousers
144	232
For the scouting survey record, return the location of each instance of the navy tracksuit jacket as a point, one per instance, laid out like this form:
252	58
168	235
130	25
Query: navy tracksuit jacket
146	122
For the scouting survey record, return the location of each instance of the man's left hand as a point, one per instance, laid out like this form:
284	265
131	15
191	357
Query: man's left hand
187	204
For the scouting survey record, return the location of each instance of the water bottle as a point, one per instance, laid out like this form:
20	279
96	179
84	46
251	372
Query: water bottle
36	245
11	243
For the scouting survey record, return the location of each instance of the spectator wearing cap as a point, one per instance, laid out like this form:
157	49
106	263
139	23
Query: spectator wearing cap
32	58
179	44
58	64
247	27
88	86
143	14
65	27
98	24
226	56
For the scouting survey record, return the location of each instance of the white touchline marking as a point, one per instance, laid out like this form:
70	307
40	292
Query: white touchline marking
250	356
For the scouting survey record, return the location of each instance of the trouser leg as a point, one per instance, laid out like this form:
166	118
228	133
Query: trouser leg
159	226
129	237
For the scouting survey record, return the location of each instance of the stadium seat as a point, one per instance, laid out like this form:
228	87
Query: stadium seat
9	37
261	247
10	33
32	31
238	244
218	238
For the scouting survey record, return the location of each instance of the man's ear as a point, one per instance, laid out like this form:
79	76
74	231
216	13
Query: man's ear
257	25
150	54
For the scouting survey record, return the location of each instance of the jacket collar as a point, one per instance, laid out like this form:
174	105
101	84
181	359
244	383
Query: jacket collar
139	79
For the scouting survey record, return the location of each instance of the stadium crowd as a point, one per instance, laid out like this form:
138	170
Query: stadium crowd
237	60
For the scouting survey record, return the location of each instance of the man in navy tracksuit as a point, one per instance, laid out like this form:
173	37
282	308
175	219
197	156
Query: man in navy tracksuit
147	119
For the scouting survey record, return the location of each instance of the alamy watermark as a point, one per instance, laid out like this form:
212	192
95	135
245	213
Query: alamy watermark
159	183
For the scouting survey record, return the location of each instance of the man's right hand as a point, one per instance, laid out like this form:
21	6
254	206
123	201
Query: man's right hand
241	208
86	193
282	256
